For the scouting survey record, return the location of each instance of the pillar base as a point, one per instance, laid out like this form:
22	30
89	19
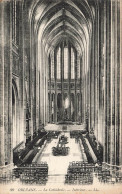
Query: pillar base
6	169
114	169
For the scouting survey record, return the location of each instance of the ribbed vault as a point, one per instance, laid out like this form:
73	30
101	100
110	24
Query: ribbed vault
54	20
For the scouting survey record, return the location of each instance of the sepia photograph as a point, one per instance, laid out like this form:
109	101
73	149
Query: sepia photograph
60	96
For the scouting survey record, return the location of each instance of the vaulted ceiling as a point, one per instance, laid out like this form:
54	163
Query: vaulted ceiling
57	20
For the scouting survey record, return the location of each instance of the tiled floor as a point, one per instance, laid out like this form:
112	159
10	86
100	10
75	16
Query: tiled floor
58	165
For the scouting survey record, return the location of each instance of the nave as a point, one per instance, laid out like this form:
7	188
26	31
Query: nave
58	165
60	92
38	164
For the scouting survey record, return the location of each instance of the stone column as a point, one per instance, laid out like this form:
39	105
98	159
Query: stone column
113	65
108	78
21	73
50	106
31	80
55	77
8	62
44	86
92	81
96	70
75	62
98	75
81	90
104	135
79	87
37	87
2	153
62	77
6	132
119	83
69	80
35	67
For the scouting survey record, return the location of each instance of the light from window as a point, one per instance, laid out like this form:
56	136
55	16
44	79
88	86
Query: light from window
78	68
65	63
59	63
72	64
52	65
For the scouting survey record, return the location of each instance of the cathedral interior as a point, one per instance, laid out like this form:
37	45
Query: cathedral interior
60	91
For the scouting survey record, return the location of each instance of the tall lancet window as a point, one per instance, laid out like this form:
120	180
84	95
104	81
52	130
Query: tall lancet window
78	67
72	64
59	63
52	65
65	63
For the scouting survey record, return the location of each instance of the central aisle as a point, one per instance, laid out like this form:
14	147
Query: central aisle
58	165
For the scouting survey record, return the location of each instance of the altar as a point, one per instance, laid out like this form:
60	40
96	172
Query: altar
65	127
